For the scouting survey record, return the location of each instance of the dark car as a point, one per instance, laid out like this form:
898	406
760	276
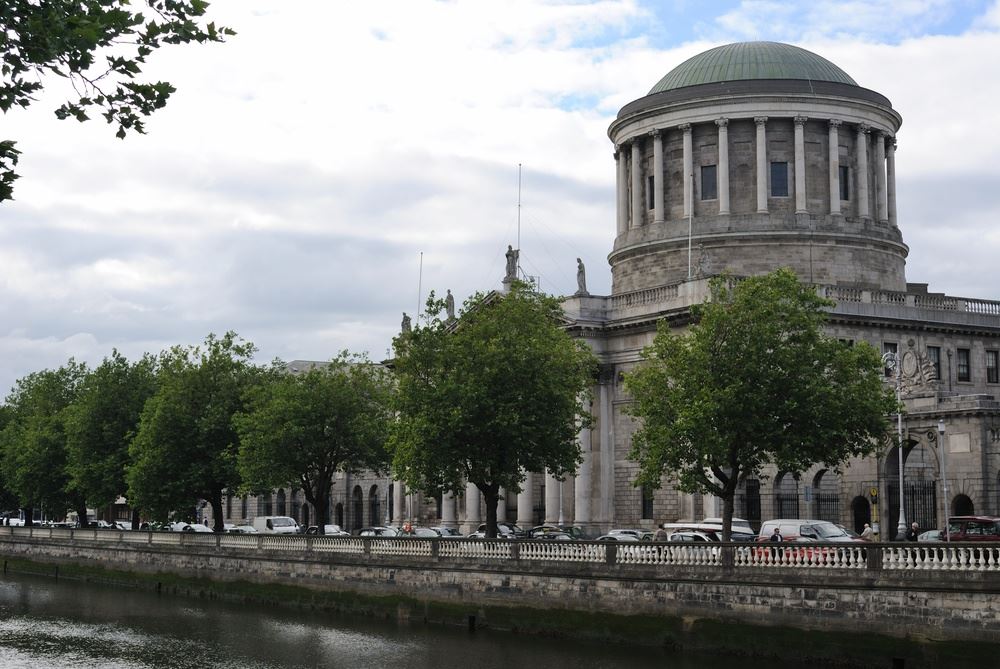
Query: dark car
974	528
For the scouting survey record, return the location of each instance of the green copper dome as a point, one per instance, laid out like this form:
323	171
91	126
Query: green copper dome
752	60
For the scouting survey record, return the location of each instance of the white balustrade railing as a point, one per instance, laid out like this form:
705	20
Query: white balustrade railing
929	557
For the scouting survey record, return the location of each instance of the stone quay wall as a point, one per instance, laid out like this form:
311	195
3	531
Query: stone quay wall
904	592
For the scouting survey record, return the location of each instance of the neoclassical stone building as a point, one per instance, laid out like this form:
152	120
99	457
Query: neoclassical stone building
745	158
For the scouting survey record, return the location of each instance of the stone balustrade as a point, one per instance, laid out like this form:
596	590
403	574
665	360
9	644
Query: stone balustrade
949	557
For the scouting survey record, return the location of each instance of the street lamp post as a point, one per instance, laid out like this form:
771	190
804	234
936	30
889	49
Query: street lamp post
944	477
891	361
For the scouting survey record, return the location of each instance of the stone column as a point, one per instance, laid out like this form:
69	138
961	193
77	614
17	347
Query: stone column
448	510
800	164
688	170
622	190
397	503
637	208
881	199
890	180
473	517
551	498
723	170
502	506
606	512
657	176
525	516
581	488
862	148
834	143
761	122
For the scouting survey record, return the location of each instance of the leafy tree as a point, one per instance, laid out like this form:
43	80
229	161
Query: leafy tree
753	382
186	447
101	422
304	428
33	442
100	47
484	399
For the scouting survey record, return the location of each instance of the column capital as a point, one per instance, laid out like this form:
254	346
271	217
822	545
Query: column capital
801	120
835	122
882	134
892	142
655	132
864	128
616	152
686	127
760	120
722	122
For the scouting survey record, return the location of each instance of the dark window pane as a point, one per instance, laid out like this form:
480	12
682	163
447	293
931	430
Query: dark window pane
709	191
649	193
779	179
845	182
963	370
991	367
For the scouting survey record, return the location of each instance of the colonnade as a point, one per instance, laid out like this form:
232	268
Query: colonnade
631	183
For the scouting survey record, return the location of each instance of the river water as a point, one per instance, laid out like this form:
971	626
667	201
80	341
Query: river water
45	623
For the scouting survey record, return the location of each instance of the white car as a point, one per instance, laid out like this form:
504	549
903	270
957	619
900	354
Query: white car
229	528
189	527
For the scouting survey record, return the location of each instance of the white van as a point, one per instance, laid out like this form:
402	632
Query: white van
275	525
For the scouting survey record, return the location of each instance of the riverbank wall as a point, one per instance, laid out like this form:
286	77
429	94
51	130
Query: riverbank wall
906	606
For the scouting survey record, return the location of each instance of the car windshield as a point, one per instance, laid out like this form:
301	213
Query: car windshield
282	522
829	531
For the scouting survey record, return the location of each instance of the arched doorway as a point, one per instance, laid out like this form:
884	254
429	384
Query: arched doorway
748	502
786	496
374	506
358	506
962	505
280	503
920	469
826	496
338	512
861	513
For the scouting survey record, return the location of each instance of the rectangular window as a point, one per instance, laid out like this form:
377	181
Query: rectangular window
934	355
779	179
963	370
647	502
845	182
890	347
709	189
650	195
991	366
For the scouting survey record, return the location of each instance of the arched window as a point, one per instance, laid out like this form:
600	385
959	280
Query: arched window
280	503
786	496
861	513
374	506
962	505
826	496
358	506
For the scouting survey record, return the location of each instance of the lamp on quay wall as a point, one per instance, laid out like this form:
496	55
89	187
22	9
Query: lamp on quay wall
891	362
944	477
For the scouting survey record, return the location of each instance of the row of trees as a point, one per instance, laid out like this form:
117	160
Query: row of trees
483	398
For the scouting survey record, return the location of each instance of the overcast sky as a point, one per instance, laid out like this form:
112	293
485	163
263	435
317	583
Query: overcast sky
291	184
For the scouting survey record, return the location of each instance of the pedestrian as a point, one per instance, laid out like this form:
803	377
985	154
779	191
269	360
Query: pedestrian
867	534
661	534
776	535
913	532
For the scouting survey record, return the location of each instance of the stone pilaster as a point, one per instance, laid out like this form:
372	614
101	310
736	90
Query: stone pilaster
581	485
881	198
551	498
688	170
637	208
890	180
502	506
449	517
657	176
761	122
723	169
834	144
800	164
398	506
861	142
621	190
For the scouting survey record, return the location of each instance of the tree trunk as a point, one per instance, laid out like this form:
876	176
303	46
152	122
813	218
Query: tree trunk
728	498
29	516
491	496
322	506
81	511
136	519
218	511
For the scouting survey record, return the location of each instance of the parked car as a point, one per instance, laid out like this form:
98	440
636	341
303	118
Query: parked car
448	532
504	531
740	525
624	538
628	532
793	529
420	532
189	527
377	532
931	536
275	525
974	528
238	529
328	530
692	536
